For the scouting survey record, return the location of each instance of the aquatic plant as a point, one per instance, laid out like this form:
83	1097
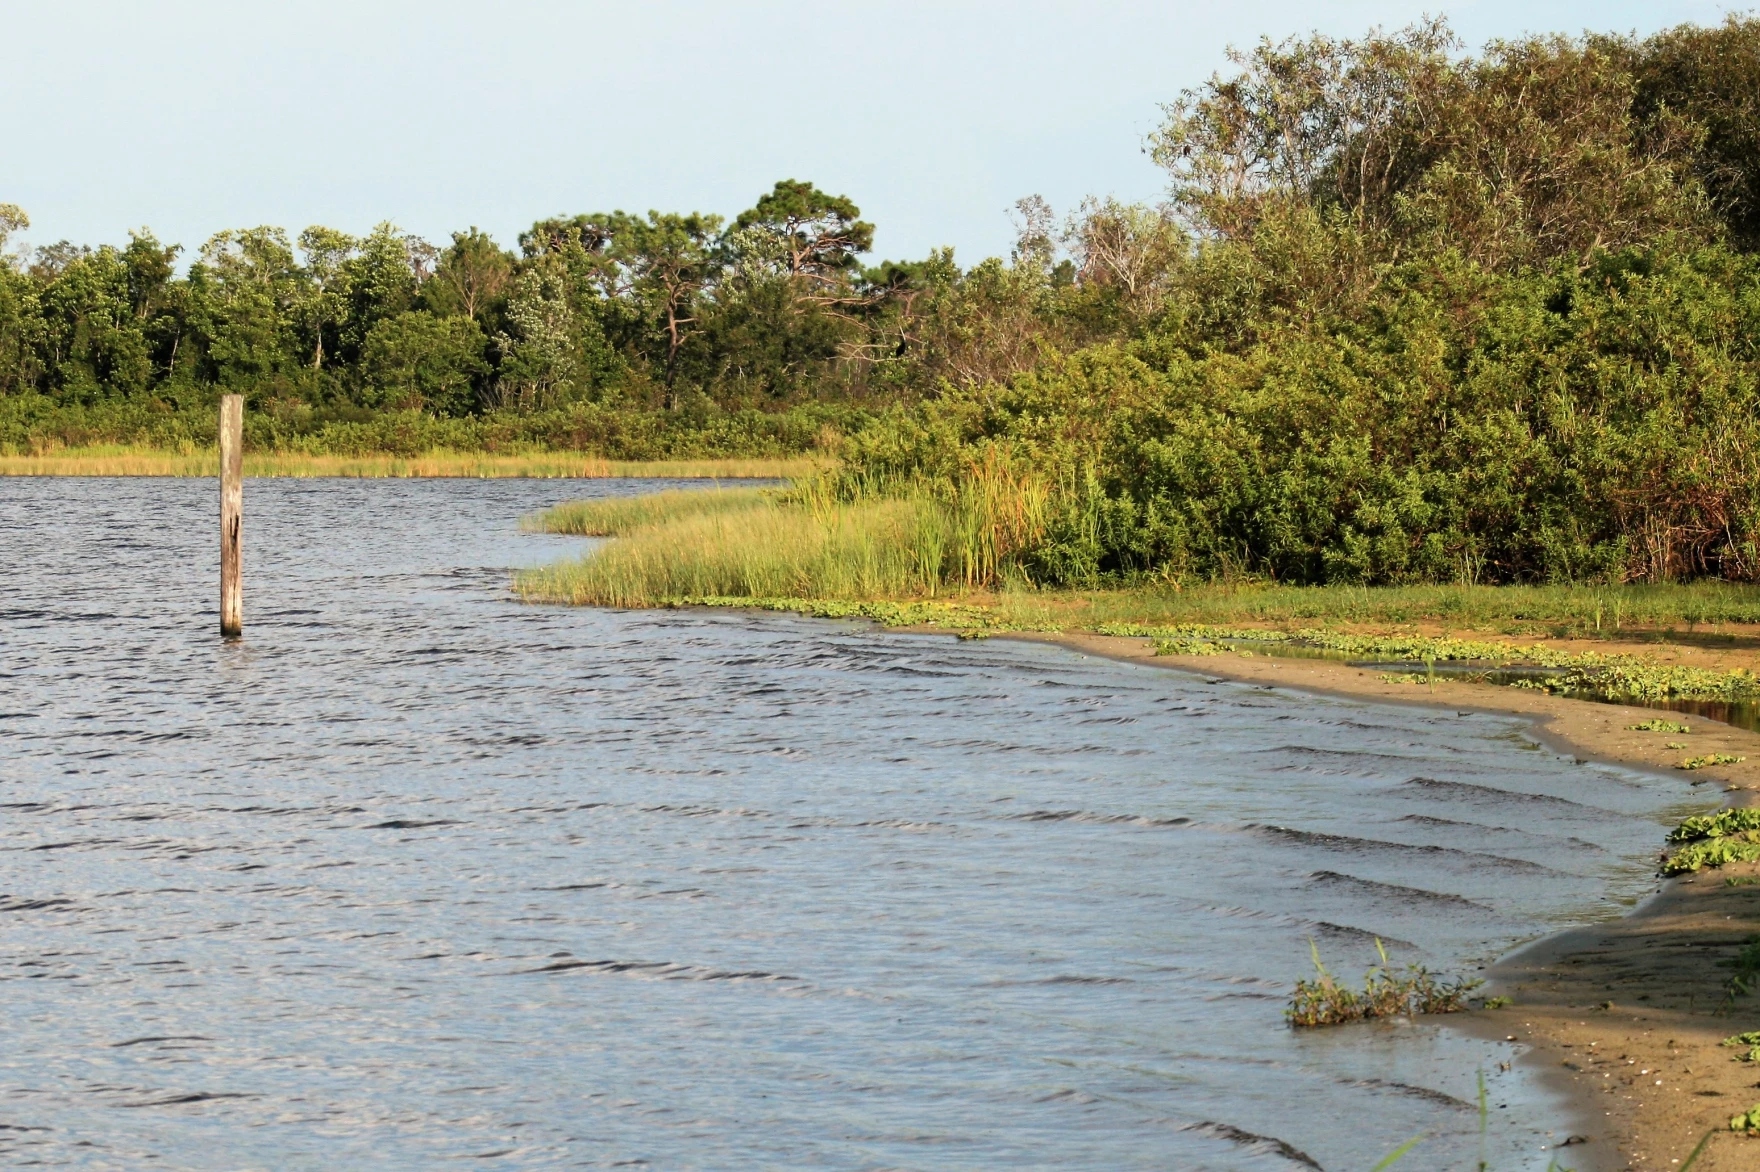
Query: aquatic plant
1713	852
817	540
1748	1121
1749	1042
1659	725
1708	760
1714	840
1385	993
1718	825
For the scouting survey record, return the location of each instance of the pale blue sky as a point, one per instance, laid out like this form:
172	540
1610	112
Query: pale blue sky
195	116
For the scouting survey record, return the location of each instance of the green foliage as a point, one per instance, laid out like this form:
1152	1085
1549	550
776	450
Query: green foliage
1730	836
1658	725
1749	1044
1710	759
1748	1121
416	361
1385	993
1718	825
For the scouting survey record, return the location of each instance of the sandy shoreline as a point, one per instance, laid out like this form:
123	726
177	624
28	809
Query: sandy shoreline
1626	1016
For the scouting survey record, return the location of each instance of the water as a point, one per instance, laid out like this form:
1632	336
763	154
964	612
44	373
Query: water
416	874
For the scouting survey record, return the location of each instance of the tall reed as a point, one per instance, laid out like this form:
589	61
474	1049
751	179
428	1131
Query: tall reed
822	539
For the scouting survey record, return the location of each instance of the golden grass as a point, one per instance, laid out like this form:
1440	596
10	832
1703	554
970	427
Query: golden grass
806	543
129	461
745	543
906	556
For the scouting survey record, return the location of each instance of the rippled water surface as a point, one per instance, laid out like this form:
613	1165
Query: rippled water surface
415	874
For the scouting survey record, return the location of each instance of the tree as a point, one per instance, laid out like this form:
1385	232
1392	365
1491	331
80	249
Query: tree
326	304
810	235
1711	77
12	219
1127	247
245	286
538	350
664	262
417	361
382	279
472	273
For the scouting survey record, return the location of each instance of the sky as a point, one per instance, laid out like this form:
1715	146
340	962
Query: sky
191	117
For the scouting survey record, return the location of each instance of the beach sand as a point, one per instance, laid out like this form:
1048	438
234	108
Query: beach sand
1626	1016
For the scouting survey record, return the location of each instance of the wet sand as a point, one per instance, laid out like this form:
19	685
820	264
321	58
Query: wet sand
1626	1015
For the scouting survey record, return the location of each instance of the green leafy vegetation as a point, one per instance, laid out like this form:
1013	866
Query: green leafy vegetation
1749	1043
1713	840
1709	759
1658	725
1499	329
1748	1121
1386	992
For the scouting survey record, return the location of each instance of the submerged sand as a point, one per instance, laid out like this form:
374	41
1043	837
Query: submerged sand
1627	1015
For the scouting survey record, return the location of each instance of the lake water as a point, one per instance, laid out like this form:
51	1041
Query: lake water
417	874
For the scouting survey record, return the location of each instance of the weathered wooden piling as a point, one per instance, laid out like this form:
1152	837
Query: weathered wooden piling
231	515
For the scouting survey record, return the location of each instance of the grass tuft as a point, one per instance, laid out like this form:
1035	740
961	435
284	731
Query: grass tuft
1385	993
806	543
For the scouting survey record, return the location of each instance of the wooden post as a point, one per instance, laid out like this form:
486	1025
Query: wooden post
231	515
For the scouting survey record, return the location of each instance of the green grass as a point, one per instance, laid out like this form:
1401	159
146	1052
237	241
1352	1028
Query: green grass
966	538
1585	611
805	543
1386	992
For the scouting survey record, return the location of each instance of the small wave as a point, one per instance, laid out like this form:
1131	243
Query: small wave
657	969
1091	816
411	824
1406	1088
9	904
1467	792
1394	890
1346	842
1259	1145
1361	935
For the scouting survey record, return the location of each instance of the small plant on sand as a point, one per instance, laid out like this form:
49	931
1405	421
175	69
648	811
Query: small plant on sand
1749	1043
1748	1122
1385	993
1747	966
1709	759
1667	726
1713	840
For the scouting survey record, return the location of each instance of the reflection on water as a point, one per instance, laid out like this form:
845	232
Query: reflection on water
414	873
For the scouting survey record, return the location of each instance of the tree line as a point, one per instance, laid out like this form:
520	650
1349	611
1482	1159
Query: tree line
1408	313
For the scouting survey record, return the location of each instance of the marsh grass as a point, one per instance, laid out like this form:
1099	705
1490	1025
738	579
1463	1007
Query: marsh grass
133	461
1703	609
812	541
1386	992
748	545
